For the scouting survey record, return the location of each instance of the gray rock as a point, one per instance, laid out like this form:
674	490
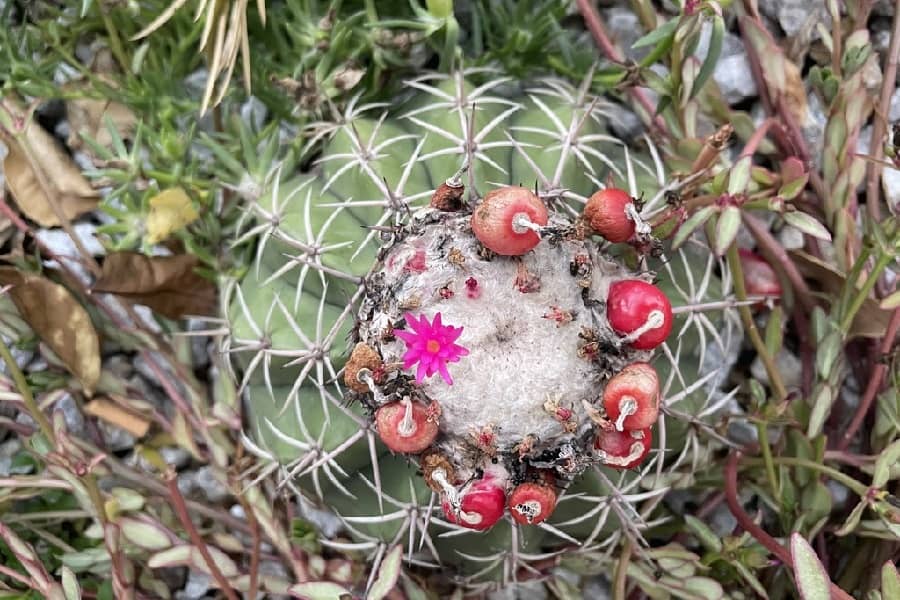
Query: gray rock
8	449
839	494
71	414
254	112
142	366
790	237
793	15
733	76
119	365
325	521
22	357
624	30
195	83
200	345
863	143
622	121
814	127
740	430
732	72
116	439
894	111
722	521
177	457
204	481
198	584
597	588
890	183
883	8
525	590
62	245
788	365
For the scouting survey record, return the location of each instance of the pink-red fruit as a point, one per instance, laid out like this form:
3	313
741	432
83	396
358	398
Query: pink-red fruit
605	212
481	505
532	503
501	221
631	397
623	449
406	427
759	276
640	312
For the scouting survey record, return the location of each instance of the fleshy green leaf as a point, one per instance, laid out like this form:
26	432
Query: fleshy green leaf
812	580
890	581
703	533
807	225
852	521
887	459
727	228
712	57
892	301
688	227
739	176
827	353
666	30
319	590
387	574
70	584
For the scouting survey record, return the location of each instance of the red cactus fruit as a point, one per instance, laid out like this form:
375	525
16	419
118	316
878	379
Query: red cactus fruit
759	276
406	426
532	503
606	213
507	219
480	504
631	397
623	449
640	312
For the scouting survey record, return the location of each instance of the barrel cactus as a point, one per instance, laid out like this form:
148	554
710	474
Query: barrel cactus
434	343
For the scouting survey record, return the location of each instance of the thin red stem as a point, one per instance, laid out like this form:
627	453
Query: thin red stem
874	385
595	25
880	125
760	534
756	139
779	258
196	539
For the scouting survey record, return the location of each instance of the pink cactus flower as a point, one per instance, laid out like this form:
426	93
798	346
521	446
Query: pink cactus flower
431	345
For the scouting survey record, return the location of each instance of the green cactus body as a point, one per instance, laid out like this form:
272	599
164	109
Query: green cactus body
324	280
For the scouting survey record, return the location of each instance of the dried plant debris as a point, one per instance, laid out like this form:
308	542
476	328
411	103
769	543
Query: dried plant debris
170	285
59	320
47	185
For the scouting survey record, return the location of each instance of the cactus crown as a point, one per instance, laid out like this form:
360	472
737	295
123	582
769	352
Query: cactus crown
348	252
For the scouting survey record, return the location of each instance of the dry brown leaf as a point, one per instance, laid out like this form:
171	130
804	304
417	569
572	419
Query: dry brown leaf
39	171
795	92
87	117
114	414
59	320
871	321
169	285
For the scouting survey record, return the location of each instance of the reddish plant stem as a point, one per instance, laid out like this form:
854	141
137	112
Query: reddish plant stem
879	127
756	139
778	257
760	534
16	576
789	138
595	25
874	385
255	533
196	539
